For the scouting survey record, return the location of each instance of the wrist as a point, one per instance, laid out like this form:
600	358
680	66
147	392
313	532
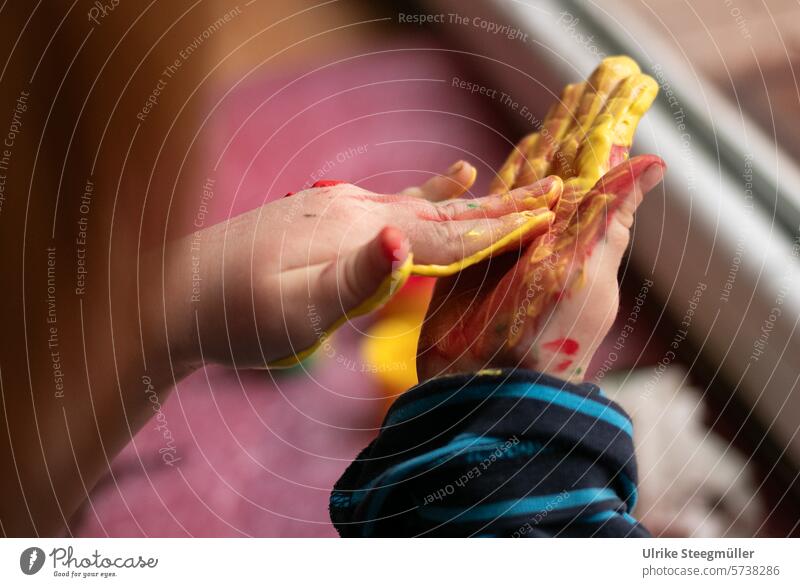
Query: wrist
169	280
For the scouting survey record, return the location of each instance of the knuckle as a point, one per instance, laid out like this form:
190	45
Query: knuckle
618	235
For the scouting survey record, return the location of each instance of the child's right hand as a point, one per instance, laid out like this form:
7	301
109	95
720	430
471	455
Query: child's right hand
549	307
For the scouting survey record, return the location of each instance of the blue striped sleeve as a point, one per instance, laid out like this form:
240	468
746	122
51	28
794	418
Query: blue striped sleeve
510	453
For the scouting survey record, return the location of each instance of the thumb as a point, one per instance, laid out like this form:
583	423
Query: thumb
602	232
628	182
318	299
451	184
642	175
361	280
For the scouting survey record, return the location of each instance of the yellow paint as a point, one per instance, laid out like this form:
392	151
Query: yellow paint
537	221
591	119
643	92
390	352
614	126
385	290
392	283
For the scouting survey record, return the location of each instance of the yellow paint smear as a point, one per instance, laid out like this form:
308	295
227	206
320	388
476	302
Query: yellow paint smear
515	235
385	290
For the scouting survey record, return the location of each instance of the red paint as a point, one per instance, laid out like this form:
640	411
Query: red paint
568	346
563	365
326	183
394	244
621	179
619	154
289	194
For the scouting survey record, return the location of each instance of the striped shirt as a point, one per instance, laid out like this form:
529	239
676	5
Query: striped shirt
510	453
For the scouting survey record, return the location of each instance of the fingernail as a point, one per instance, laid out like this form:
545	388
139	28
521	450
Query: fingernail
540	188
326	183
544	186
455	168
525	216
651	177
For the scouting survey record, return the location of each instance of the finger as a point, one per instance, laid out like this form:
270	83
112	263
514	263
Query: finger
554	148
629	104
321	297
452	184
600	85
618	228
609	140
506	178
362	276
542	194
527	291
601	242
610	207
444	248
559	120
606	211
530	159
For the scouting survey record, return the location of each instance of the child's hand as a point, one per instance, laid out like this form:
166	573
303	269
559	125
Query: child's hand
549	307
270	284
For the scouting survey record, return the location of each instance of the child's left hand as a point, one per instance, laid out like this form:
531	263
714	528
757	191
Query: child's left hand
266	287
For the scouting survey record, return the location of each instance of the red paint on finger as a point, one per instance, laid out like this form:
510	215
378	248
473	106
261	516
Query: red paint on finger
568	346
394	244
326	183
619	153
289	194
621	178
563	365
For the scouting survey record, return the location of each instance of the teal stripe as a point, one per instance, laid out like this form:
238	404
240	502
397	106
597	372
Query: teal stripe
523	449
390	477
599	517
526	506
630	518
609	514
559	397
487	444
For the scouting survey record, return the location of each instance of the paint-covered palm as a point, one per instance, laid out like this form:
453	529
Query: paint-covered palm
548	305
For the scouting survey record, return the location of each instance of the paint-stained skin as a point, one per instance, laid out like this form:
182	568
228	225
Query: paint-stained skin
563	365
530	209
584	140
508	216
567	346
583	137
